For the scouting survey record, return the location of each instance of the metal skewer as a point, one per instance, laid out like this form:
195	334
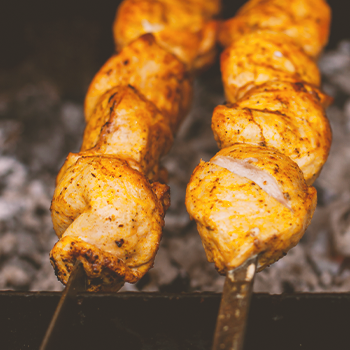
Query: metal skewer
234	307
55	333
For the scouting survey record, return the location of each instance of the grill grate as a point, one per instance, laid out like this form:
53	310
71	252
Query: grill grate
154	321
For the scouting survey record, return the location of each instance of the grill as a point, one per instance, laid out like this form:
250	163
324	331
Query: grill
175	321
43	54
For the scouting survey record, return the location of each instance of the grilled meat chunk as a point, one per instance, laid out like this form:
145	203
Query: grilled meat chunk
305	21
263	56
249	200
155	73
110	217
184	28
287	116
124	123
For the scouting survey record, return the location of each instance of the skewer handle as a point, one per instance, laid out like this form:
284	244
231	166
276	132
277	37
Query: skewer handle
234	307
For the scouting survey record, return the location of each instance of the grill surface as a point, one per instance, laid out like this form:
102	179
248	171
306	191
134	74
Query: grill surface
153	321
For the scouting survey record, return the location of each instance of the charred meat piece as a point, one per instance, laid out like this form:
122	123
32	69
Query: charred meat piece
305	21
264	56
184	28
249	200
108	216
154	72
287	116
124	123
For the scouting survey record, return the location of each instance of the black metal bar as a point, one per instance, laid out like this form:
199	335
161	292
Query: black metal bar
158	321
57	330
234	307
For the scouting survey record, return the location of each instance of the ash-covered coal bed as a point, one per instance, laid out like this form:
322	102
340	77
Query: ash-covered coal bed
41	120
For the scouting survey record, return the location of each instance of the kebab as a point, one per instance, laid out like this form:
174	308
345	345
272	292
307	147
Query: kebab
109	204
253	199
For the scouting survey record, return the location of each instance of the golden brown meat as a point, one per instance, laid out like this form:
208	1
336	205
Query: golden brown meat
184	28
155	73
263	56
249	200
124	123
305	21
105	211
208	9
289	117
108	216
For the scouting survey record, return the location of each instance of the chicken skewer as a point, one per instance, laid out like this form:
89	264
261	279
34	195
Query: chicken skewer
109	204
264	136
252	198
108	208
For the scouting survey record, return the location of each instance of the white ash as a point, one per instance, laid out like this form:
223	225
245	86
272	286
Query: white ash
33	136
39	126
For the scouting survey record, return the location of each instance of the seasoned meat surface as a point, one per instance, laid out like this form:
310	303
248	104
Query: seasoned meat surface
124	123
154	72
305	21
108	216
286	116
249	200
264	56
184	28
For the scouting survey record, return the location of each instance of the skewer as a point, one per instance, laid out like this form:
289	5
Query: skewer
234	307
55	334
